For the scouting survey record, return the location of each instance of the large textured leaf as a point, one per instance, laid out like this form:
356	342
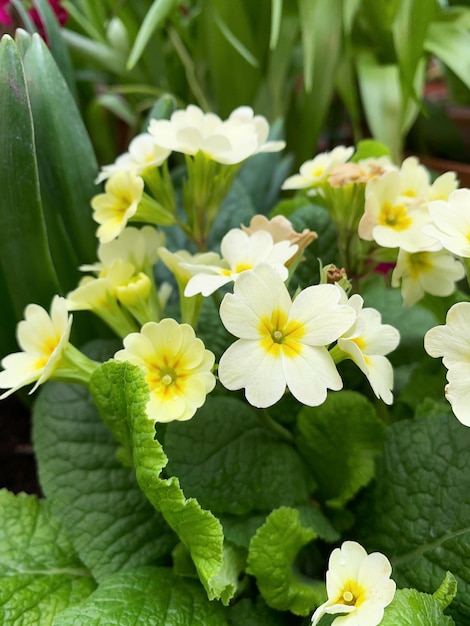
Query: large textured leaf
419	510
40	574
148	595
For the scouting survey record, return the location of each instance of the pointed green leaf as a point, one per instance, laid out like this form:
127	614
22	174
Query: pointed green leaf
419	510
276	17
40	573
156	15
340	440
25	258
446	40
270	558
67	164
148	595
121	394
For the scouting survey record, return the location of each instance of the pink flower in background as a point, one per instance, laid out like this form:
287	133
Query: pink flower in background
5	17
7	14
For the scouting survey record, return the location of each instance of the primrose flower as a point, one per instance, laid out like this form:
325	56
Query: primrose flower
43	338
228	142
114	208
426	272
143	154
367	342
451	222
315	171
358	584
240	252
281	343
361	172
452	342
177	368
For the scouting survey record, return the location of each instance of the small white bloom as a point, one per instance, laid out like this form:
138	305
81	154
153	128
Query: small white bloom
358	585
452	342
240	252
281	343
367	342
114	208
229	142
317	169
43	338
426	272
451	222
143	153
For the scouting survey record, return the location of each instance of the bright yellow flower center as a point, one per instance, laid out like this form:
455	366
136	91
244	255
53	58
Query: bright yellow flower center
166	379
419	263
394	216
48	347
280	335
352	594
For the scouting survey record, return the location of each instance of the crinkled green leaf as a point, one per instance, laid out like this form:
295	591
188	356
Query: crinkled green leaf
121	394
145	596
109	520
237	208
411	608
40	574
231	463
418	512
340	440
256	613
270	559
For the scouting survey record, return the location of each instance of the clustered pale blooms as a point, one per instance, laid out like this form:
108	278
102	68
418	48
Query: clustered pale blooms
358	585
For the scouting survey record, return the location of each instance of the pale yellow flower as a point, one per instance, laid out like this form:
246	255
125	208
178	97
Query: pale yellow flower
177	368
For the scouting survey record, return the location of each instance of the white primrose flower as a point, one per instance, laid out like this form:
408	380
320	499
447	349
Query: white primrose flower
281	343
228	142
451	222
114	208
358	586
452	342
316	170
367	342
43	338
240	252
143	153
426	272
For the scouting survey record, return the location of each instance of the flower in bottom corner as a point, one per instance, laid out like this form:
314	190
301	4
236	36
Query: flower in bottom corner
358	585
43	338
177	368
281	343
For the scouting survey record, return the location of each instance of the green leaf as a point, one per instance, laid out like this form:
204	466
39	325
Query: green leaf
237	208
21	218
111	523
446	40
411	608
368	148
67	164
121	394
340	440
271	555
56	42
40	573
156	15
418	512
234	41
276	18
256	613
148	595
227	459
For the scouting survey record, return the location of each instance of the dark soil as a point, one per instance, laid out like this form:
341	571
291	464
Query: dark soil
17	462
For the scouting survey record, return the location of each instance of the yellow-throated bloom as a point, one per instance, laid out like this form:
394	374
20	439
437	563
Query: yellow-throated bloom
358	585
47	353
114	208
281	343
177	368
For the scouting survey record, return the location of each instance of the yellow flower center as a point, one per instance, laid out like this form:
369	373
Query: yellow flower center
164	379
419	263
394	216
352	594
280	335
